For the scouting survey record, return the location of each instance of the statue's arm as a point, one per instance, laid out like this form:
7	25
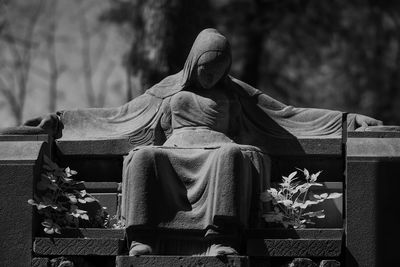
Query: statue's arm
355	121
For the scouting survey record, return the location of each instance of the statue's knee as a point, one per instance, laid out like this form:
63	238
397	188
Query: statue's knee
230	150
145	154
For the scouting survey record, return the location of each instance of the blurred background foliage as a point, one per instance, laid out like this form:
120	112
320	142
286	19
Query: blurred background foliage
60	54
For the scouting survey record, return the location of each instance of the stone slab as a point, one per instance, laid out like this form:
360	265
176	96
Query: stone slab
373	134
102	187
192	261
94	168
279	233
91	233
39	137
370	148
109	201
77	246
20	165
294	247
121	146
20	152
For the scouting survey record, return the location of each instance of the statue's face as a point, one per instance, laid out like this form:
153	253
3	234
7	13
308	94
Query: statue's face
209	73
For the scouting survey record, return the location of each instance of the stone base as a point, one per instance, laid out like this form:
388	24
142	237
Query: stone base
167	261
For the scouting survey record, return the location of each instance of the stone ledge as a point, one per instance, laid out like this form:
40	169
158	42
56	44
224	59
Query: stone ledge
324	146
78	246
294	247
90	233
281	233
192	261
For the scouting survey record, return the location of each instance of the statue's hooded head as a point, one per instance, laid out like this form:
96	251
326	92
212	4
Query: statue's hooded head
209	60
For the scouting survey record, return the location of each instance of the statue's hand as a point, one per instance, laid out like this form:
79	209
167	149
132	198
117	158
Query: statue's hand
50	123
362	121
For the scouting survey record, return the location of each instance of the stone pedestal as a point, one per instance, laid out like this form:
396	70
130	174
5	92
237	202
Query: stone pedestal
183	261
20	165
372	209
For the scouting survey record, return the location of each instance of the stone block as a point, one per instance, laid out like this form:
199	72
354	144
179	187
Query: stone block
77	246
295	247
20	165
372	233
91	233
294	243
192	261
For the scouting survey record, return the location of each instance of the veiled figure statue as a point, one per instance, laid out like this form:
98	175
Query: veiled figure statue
202	139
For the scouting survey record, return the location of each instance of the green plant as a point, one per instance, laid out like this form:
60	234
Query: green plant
57	198
292	198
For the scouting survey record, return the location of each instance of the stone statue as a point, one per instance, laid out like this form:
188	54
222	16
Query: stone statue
202	141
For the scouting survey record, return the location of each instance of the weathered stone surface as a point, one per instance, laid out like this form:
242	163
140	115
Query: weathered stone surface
92	233
102	187
373	167
329	263
40	262
19	165
114	147
192	261
121	146
279	233
94	168
294	247
302	262
77	246
369	148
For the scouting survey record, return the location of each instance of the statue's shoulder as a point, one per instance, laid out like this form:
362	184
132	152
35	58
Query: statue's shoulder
168	86
242	88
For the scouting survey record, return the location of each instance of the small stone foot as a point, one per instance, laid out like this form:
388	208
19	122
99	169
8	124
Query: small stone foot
220	250
137	249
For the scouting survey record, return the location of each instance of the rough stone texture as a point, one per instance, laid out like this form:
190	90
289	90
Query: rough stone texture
102	187
108	200
122	146
329	263
77	246
302	262
94	169
281	233
114	147
93	233
19	165
40	262
373	167
294	247
193	261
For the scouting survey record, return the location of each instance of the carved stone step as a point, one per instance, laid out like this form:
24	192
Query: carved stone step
183	261
295	243
43	246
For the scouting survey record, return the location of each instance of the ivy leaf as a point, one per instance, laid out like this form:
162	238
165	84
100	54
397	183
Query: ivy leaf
334	195
319	214
85	217
293	174
72	198
90	199
286	202
315	176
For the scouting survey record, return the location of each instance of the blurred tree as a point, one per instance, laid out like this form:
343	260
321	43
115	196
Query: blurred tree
17	43
163	31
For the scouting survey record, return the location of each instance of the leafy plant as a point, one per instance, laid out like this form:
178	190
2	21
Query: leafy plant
291	200
57	198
